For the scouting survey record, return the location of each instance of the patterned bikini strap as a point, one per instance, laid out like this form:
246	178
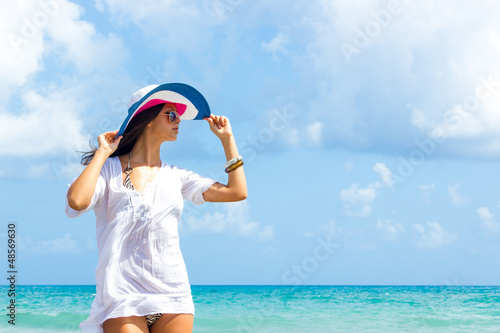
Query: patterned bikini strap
127	182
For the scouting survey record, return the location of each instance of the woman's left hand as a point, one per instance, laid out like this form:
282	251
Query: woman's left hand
220	126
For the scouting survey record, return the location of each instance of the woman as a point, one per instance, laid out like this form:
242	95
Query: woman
141	279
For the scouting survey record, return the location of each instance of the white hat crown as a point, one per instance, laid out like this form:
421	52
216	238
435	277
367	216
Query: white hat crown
139	94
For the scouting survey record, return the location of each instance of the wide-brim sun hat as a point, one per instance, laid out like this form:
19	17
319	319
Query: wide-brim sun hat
189	102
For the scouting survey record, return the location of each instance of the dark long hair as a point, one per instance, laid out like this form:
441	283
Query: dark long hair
131	134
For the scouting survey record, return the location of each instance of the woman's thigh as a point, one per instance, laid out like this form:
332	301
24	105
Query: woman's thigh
132	324
173	323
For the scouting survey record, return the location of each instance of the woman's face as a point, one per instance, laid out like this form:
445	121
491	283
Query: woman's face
161	125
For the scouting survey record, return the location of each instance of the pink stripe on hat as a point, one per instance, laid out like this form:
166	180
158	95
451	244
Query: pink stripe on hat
181	108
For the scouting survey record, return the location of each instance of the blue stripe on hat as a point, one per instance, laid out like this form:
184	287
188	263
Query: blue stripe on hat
193	95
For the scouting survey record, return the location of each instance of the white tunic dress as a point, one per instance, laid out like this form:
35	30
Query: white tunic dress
140	270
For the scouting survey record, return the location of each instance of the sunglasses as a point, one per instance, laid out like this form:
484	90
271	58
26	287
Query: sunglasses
172	116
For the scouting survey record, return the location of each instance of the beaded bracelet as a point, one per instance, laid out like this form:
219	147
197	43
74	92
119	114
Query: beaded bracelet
232	161
234	166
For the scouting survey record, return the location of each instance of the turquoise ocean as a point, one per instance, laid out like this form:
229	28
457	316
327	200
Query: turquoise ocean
283	308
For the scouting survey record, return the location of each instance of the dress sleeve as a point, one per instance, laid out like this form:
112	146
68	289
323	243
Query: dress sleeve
193	186
96	197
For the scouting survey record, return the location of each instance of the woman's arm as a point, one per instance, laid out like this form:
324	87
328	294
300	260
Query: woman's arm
236	188
81	191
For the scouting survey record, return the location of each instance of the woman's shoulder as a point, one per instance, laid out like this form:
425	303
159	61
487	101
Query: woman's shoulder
111	162
171	167
109	166
176	170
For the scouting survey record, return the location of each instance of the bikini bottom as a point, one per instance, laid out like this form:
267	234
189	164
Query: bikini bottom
152	318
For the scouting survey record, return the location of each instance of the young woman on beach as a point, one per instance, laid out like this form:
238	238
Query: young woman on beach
141	279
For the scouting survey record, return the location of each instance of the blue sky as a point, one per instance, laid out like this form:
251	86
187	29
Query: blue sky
369	132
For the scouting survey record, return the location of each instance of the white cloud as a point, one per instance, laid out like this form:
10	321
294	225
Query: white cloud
348	166
487	218
419	228
51	126
456	122
398	67
48	119
22	44
276	45
90	243
456	198
390	230
61	245
276	123
182	26
426	187
384	173
266	233
357	201
291	136
82	45
433	237
417	118
328	230
25	171
426	190
456	94
314	132
233	218
36	29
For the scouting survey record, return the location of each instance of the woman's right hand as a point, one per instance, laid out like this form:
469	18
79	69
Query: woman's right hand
108	141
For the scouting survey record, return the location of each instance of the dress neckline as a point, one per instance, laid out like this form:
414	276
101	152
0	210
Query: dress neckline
148	185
